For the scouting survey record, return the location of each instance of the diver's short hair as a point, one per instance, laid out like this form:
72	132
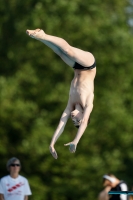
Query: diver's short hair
77	126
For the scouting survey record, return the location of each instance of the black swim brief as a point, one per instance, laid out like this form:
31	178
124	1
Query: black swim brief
78	66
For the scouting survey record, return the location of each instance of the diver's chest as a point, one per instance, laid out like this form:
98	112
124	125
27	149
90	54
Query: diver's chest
77	95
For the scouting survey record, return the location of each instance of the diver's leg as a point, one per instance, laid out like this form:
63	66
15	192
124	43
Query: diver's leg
50	41
68	53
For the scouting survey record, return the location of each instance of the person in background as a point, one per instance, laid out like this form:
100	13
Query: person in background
103	195
14	186
116	185
131	196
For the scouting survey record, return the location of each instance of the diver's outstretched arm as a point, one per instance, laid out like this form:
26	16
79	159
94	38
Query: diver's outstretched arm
59	130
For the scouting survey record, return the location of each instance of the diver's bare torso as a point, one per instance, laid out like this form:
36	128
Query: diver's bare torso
82	87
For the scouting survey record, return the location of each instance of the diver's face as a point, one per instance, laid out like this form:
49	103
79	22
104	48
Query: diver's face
76	117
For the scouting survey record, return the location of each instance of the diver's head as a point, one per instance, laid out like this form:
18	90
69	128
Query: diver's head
76	117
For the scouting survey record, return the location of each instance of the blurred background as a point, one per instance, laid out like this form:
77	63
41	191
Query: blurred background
34	87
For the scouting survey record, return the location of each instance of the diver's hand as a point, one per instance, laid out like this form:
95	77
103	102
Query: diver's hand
53	152
72	146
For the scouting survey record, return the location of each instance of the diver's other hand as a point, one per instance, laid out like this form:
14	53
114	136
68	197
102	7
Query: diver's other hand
72	146
53	152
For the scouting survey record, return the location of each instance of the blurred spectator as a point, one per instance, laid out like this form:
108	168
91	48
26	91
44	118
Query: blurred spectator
116	185
131	196
14	186
103	195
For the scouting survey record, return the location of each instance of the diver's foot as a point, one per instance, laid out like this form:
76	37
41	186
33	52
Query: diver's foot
36	34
